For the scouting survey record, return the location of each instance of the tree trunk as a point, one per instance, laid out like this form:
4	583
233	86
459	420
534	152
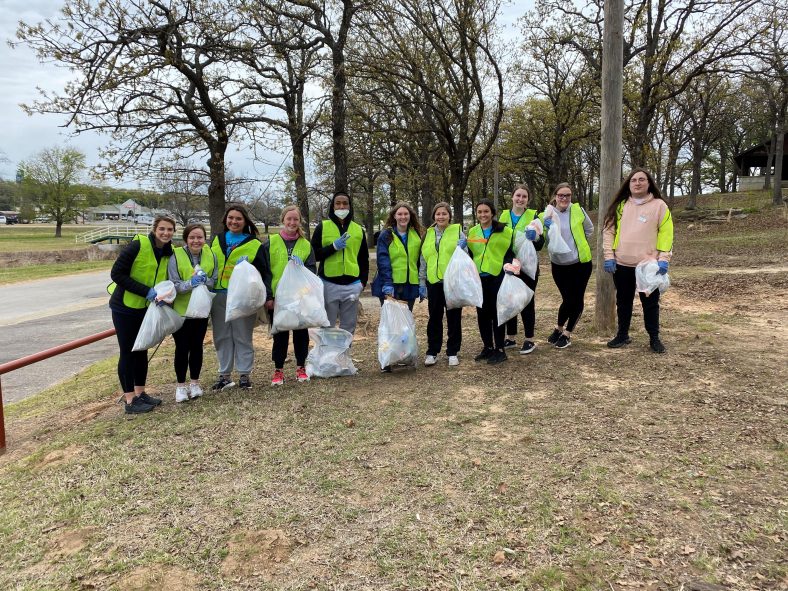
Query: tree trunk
767	173
369	214
299	172
722	179
697	162
393	185
338	115
777	192
59	228
610	152
457	191
216	186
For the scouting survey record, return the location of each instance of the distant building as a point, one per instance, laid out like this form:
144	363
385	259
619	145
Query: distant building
128	211
752	164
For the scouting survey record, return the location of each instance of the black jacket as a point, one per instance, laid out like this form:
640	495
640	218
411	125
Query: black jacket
323	252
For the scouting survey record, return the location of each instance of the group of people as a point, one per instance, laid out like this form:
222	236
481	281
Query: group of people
411	264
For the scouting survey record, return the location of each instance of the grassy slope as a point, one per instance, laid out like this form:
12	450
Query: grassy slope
585	468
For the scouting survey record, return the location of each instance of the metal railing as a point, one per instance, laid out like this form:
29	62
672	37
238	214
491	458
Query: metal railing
41	356
104	231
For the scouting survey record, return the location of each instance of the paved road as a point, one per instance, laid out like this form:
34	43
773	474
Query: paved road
44	313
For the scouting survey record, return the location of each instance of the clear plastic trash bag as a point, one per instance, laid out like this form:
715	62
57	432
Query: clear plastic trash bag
165	291
246	292
159	322
462	285
526	254
555	242
647	277
513	296
199	303
397	342
330	357
299	301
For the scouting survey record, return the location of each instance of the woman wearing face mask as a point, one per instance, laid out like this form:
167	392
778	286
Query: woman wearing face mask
638	226
490	243
340	246
440	242
398	251
518	218
233	340
140	266
571	271
189	338
289	244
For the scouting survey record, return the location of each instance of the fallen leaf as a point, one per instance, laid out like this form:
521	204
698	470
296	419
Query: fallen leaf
476	462
502	487
350	423
687	550
597	540
499	557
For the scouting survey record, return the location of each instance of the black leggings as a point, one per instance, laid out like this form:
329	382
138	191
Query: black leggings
300	345
188	348
487	315
436	305
571	281
132	365
529	312
624	279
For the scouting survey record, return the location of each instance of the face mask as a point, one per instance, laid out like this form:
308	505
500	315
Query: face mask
341	213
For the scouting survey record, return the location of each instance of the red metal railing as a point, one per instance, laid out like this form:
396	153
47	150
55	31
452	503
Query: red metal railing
41	356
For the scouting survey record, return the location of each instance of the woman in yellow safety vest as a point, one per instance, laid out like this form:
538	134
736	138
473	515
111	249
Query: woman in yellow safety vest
398	250
490	243
571	270
140	266
638	226
233	340
440	242
289	244
521	219
193	264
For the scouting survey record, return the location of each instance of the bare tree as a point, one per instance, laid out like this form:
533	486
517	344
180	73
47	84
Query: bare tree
184	187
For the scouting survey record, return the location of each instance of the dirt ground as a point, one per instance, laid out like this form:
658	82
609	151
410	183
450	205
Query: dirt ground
584	468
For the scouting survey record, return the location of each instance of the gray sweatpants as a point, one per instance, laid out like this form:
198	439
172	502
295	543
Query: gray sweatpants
233	340
342	304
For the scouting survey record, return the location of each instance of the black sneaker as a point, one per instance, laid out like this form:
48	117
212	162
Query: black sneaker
498	356
657	346
386	369
485	354
563	342
553	338
509	343
223	383
149	399
137	406
618	341
528	347
245	383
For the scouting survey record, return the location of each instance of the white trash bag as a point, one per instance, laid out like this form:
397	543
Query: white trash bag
159	321
397	342
513	296
199	303
555	242
526	254
246	292
299	301
462	285
330	357
647	277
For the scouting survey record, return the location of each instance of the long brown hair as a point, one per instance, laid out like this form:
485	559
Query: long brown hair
557	187
249	227
287	210
440	204
164	218
391	221
624	193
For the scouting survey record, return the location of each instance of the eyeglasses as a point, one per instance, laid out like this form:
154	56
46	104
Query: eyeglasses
564	195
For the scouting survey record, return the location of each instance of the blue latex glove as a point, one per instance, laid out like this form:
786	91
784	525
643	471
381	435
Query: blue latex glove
151	295
341	242
530	234
422	293
198	279
663	267
462	243
610	266
243	259
297	260
161	303
547	223
388	290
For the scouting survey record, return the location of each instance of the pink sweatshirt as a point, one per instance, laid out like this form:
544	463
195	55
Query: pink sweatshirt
638	228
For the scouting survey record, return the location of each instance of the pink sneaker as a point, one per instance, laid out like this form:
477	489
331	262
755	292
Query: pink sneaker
278	379
301	374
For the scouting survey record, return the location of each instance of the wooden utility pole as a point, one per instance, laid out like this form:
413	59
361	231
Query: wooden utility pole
610	159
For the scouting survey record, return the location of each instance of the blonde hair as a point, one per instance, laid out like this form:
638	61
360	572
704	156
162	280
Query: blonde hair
287	210
164	218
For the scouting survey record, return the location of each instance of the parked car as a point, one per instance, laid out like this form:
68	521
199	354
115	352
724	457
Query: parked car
143	220
3	220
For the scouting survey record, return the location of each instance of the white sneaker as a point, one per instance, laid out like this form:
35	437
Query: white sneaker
453	361
194	390
430	360
181	394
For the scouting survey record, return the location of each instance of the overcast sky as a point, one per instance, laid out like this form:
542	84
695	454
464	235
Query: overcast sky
20	74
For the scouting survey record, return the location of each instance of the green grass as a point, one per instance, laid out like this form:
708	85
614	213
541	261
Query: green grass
33	238
16	274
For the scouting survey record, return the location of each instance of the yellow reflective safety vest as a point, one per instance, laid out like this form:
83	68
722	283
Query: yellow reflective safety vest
277	251
437	259
489	254
185	270
576	218
405	262
226	264
345	261
146	270
522	223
